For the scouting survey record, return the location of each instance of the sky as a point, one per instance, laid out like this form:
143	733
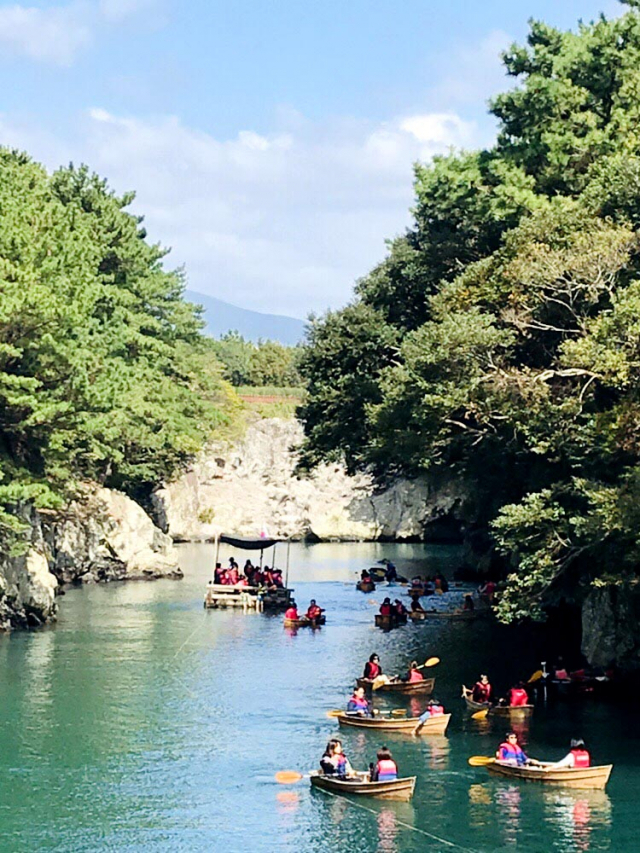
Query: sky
270	142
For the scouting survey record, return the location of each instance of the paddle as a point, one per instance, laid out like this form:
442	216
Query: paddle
480	715
337	712
537	675
399	712
288	777
430	662
481	760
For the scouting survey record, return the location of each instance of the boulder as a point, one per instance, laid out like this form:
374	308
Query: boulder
610	628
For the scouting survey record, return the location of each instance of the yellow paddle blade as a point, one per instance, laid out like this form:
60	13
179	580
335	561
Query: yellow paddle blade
537	675
335	712
372	602
288	777
431	662
480	715
481	760
399	712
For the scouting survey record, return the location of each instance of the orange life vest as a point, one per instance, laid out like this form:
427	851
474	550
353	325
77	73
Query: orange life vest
291	613
518	697
387	767
414	676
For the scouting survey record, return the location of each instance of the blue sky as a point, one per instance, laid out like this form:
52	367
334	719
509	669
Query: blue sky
270	143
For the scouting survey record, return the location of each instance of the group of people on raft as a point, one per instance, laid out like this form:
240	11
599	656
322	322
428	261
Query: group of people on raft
511	753
312	615
249	576
335	763
395	609
482	693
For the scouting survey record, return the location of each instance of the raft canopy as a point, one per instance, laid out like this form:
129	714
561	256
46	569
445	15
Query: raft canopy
246	543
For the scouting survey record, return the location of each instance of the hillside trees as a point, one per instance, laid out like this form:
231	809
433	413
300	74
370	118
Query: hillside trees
510	312
103	371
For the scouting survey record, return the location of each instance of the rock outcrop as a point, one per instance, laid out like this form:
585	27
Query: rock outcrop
106	536
251	487
610	627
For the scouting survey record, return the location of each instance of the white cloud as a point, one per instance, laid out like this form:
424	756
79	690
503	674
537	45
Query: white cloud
47	35
57	34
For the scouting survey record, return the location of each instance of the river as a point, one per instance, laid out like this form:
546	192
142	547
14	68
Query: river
142	722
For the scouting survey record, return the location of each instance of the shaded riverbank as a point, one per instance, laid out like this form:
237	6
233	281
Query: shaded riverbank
141	722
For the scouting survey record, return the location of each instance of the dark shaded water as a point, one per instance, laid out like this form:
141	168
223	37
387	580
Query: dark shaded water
141	722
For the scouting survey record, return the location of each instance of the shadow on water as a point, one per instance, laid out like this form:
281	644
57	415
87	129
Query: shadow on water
143	722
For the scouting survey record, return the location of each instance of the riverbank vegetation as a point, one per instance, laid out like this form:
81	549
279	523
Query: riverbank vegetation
500	338
104	372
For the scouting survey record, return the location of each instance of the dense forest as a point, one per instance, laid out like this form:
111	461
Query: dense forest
499	340
257	364
104	372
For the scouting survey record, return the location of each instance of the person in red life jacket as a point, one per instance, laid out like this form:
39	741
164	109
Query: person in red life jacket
291	612
482	690
576	757
276	577
358	706
258	579
313	611
434	709
334	762
518	696
218	573
386	608
372	668
233	575
414	674
487	591
398	608
510	752
365	577
267	577
469	603
386	768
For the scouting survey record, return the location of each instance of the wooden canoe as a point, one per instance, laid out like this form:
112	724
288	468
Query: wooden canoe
392	621
363	586
511	711
304	622
411	688
395	789
434	725
568	777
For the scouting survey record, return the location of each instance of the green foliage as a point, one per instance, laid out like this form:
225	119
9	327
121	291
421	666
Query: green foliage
103	371
500	339
264	363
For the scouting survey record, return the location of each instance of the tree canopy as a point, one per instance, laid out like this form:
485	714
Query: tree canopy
500	338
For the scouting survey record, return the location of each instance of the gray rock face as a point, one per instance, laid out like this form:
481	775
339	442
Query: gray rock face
106	536
610	629
251	487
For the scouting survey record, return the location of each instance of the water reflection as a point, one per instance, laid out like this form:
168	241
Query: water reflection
509	802
480	805
577	813
387	831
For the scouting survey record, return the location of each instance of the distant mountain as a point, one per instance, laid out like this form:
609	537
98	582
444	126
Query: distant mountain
221	317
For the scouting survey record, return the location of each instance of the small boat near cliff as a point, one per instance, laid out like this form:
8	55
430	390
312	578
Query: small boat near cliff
411	688
436	725
510	711
394	789
365	586
594	778
303	622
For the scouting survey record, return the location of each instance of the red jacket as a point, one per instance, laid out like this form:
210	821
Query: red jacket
518	696
581	758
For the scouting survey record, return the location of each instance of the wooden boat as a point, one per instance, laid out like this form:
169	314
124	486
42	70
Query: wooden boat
454	615
433	726
388	622
425	686
511	711
568	777
395	789
365	586
304	622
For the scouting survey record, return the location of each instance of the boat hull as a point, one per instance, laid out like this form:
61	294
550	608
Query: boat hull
305	623
396	789
594	778
509	711
433	726
411	688
365	587
388	622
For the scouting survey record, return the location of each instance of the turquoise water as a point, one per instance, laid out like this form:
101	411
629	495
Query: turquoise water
142	722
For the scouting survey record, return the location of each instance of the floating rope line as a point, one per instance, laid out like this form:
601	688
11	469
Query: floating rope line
405	825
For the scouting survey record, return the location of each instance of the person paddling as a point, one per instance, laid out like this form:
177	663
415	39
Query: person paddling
313	611
482	690
358	706
413	675
518	696
577	756
510	752
334	762
386	769
386	608
372	668
434	709
291	612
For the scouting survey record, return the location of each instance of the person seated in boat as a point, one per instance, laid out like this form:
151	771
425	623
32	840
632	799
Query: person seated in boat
469	604
416	607
258	577
560	672
313	611
386	769
358	706
386	608
276	577
398	608
482	690
334	762
413	675
577	756
518	695
442	582
233	575
365	577
217	574
510	752
417	581
434	709
487	591
292	611
267	577
391	573
372	668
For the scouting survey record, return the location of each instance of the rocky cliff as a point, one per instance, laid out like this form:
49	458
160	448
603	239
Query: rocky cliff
252	487
104	536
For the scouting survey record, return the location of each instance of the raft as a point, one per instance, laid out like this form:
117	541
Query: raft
365	586
594	778
406	687
512	711
434	725
395	789
304	622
